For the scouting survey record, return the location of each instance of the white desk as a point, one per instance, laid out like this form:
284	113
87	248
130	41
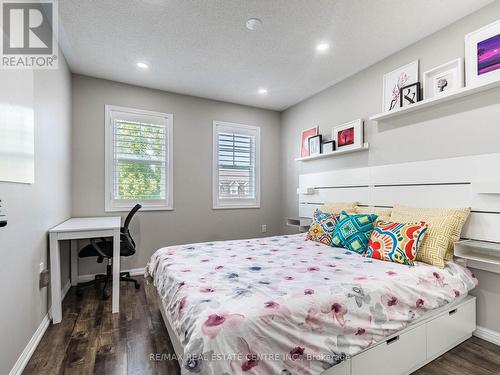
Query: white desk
80	228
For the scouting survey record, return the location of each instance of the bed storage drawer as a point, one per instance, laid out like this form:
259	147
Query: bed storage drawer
393	357
447	330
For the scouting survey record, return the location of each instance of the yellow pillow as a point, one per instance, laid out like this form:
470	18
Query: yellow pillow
445	226
383	214
338	207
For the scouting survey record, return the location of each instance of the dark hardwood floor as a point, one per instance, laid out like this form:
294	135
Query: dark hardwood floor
91	340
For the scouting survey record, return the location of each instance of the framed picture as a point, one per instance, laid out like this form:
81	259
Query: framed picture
304	144
393	81
410	94
349	135
315	145
482	55
444	79
328	147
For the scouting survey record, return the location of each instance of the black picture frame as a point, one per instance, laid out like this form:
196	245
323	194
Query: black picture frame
317	138
415	89
333	143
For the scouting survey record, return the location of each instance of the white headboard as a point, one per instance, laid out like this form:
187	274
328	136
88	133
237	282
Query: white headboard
469	181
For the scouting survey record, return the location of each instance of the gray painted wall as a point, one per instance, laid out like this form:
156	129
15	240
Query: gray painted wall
465	127
32	210
193	219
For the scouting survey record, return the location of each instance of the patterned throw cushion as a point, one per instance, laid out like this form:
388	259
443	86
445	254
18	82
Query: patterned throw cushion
336	207
396	242
322	227
383	214
353	231
445	226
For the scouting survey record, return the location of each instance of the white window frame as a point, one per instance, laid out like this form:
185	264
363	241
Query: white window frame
217	203
114	205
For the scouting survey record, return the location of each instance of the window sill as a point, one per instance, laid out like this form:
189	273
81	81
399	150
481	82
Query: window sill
144	208
234	207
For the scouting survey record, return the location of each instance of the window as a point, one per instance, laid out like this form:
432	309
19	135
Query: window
236	158
138	159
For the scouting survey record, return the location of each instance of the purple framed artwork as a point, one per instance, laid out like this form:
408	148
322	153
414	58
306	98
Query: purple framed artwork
482	55
488	55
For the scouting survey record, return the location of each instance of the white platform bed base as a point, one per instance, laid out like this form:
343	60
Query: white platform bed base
403	352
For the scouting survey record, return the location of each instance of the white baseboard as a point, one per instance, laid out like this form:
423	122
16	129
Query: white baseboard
487	334
25	356
133	272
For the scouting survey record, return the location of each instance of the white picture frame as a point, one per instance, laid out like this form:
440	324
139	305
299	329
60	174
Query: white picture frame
451	72
351	139
393	81
481	73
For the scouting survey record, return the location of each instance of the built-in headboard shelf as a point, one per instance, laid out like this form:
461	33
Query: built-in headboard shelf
479	254
453	182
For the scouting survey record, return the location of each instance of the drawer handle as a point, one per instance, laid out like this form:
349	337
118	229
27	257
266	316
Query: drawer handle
390	341
452	311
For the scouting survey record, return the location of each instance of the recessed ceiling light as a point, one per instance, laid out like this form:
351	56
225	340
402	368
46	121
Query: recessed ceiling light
253	24
142	65
262	91
322	47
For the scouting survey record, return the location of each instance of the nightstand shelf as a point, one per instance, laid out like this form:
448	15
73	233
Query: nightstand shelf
301	223
479	254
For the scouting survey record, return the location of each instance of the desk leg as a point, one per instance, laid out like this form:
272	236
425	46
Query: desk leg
74	262
55	279
116	271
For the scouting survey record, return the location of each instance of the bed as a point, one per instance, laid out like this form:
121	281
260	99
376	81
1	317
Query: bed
284	305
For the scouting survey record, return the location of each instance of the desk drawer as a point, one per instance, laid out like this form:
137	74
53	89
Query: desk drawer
449	329
394	357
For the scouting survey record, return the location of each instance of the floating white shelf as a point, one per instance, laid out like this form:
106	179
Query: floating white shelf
479	254
333	153
460	93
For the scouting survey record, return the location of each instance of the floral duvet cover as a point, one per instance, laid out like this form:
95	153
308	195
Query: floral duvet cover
284	305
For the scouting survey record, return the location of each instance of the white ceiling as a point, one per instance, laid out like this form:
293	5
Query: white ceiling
202	48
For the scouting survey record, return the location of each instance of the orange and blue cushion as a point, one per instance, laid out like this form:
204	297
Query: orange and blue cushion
322	227
396	242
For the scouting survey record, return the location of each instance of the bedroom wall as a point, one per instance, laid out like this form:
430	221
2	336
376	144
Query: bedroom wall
465	127
193	219
33	209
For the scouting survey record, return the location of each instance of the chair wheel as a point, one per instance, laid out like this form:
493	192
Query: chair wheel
105	295
137	285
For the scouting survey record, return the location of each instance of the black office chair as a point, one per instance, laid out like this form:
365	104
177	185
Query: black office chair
104	249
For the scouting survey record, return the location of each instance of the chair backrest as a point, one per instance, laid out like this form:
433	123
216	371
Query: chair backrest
129	217
126	238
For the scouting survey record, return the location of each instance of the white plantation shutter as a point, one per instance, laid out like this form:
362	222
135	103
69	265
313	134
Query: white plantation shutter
138	156
236	165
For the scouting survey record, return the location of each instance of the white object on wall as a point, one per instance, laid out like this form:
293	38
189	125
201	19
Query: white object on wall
305	190
17	151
